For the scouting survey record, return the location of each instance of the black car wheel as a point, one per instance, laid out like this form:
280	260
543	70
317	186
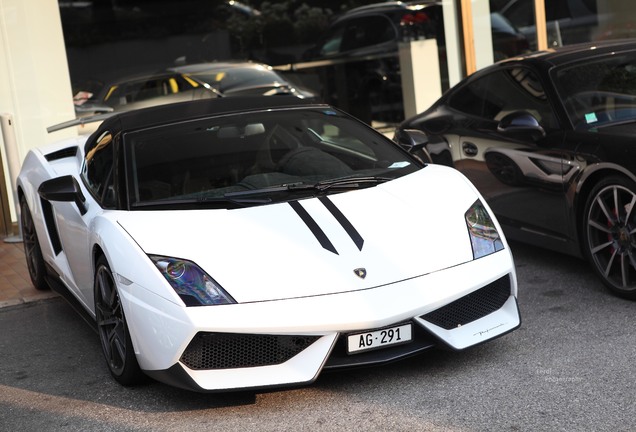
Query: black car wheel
112	328
610	234
32	251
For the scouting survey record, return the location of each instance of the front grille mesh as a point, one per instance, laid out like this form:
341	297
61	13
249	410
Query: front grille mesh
473	306
229	350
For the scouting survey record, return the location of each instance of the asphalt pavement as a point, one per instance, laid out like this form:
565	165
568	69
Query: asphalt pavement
568	368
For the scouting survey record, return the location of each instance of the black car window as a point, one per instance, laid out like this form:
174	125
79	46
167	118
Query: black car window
98	170
600	91
331	45
502	92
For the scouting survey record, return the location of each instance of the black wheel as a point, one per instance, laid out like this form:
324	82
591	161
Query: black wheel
112	328
32	251
610	234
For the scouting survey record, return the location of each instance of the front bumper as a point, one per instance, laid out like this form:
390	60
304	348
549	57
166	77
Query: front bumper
457	308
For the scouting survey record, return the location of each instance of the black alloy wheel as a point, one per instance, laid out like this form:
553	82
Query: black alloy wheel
32	251
113	330
610	234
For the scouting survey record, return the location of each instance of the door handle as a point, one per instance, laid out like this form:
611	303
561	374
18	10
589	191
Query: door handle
469	149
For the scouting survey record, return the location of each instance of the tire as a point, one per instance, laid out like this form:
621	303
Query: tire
112	328
32	250
609	234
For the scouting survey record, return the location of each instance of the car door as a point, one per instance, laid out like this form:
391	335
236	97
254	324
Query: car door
521	171
74	223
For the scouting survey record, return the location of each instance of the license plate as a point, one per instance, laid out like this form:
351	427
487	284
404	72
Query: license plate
379	338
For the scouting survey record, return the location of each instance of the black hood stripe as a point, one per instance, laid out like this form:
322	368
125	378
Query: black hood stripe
313	226
342	219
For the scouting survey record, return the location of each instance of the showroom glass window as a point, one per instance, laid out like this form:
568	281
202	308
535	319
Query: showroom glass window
359	33
504	91
567	21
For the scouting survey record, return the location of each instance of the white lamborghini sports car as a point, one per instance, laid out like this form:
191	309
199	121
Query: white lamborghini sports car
248	243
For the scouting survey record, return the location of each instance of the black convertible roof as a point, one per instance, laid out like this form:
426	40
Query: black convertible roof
174	113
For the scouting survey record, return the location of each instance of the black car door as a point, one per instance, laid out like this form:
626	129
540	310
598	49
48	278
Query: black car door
521	171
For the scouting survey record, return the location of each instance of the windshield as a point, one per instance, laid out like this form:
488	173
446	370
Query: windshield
240	77
258	158
600	92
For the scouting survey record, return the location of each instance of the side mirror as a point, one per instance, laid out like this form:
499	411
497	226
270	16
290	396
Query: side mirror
65	189
414	141
521	125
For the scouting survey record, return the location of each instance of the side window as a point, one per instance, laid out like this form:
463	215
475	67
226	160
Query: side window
502	92
332	44
471	98
149	89
98	170
599	92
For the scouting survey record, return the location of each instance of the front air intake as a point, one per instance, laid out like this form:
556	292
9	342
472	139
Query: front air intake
230	350
471	307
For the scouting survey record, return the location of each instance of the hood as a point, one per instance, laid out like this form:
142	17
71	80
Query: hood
395	231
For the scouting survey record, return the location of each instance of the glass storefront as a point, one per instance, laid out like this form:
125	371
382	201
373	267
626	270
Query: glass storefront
328	49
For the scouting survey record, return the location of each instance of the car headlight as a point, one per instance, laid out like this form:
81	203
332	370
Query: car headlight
191	283
484	237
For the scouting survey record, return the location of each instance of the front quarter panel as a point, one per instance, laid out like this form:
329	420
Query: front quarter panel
138	282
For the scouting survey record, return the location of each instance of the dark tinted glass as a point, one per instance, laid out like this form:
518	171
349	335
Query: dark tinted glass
599	91
236	153
367	31
504	91
98	170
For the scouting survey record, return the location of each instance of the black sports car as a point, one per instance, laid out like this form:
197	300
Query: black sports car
550	140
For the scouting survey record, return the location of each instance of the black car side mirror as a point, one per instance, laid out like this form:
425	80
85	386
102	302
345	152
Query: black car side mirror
414	141
63	188
521	125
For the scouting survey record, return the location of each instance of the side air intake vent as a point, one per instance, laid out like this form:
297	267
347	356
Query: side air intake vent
62	154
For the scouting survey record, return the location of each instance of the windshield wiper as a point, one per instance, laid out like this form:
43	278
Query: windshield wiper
247	197
321	186
350	182
203	200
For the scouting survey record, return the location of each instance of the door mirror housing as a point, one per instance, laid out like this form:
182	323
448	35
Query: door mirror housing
521	125
66	189
414	141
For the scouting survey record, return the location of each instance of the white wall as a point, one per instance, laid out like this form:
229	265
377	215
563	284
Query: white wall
453	44
35	86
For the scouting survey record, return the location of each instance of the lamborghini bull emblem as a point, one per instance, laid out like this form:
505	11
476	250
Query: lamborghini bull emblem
360	272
